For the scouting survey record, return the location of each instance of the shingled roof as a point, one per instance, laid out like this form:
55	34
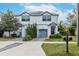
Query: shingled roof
38	13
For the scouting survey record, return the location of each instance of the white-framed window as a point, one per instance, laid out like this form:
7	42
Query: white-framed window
25	18
46	17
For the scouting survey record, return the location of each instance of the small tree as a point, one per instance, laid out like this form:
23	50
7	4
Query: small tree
9	22
16	24
29	31
1	29
35	30
72	18
72	30
61	28
32	30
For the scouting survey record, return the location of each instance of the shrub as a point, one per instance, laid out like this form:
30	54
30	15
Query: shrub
55	36
1	33
64	38
61	28
72	30
32	30
62	32
13	35
27	38
69	39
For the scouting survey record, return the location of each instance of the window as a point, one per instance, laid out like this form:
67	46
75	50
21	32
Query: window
25	18
47	18
44	18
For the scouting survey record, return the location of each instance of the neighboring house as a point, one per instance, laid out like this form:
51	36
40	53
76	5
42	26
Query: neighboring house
46	23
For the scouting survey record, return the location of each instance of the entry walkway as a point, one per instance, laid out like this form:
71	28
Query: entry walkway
38	39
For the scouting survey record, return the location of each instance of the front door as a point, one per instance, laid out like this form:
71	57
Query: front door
52	29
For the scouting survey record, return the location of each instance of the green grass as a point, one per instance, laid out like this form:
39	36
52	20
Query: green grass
6	39
61	39
60	49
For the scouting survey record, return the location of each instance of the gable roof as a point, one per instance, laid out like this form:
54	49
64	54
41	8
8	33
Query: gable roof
50	13
52	23
24	13
38	13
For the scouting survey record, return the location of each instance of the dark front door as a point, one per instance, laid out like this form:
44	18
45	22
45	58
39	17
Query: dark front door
52	29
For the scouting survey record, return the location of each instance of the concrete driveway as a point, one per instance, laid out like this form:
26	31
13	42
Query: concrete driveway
39	39
19	48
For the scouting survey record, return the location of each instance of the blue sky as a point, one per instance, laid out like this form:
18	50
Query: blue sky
61	8
18	8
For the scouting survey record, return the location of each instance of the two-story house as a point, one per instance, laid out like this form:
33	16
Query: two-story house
46	23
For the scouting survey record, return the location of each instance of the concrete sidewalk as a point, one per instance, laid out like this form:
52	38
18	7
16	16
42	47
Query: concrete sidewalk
29	48
60	42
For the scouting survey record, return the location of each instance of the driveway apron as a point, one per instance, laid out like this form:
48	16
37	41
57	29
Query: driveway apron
19	48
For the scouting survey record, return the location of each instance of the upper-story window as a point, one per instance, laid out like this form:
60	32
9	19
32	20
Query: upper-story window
26	18
46	17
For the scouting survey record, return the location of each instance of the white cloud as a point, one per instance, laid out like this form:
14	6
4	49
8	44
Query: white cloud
62	16
42	7
24	4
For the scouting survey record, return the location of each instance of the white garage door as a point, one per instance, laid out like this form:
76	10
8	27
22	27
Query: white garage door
42	33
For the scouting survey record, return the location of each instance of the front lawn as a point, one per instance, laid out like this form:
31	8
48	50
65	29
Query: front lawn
60	49
61	39
7	39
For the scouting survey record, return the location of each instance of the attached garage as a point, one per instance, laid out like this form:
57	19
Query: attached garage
42	33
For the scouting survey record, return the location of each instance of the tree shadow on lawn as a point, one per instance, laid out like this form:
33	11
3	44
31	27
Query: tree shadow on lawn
64	54
10	46
69	54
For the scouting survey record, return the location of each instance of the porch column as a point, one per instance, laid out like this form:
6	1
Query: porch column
23	31
37	33
56	30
